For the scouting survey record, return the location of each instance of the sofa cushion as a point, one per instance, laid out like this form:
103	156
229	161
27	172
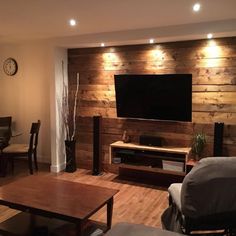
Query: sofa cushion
123	229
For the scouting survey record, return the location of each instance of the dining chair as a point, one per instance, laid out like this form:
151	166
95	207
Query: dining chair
24	150
5	131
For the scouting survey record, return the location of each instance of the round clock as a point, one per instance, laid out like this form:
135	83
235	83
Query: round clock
10	66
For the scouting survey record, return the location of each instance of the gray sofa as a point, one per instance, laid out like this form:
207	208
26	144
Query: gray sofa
206	198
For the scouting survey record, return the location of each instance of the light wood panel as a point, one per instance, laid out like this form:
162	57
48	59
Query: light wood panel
213	67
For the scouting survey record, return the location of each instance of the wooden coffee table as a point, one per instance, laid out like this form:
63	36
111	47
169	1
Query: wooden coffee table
60	199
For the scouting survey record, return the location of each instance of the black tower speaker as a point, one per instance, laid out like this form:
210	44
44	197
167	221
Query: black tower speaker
218	139
97	145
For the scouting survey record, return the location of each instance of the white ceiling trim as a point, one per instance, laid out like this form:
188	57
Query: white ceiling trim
224	28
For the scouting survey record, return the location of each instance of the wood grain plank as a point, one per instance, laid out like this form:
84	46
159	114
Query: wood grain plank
214	97
214	88
214	107
211	117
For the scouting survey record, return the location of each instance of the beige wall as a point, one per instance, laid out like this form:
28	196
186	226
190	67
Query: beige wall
56	94
26	96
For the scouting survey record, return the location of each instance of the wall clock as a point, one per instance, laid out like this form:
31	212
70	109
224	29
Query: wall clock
10	66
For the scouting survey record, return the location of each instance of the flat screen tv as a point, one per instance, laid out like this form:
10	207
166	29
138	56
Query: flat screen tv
162	97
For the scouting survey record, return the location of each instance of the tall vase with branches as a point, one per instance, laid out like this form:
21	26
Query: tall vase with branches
69	117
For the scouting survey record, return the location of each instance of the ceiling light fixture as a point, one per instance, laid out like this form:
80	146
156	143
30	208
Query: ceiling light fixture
196	7
72	22
102	44
209	36
151	40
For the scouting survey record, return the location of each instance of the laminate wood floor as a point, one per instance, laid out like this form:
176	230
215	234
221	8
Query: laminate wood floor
135	203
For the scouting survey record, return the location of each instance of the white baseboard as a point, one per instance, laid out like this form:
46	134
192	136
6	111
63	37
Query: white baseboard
58	168
53	168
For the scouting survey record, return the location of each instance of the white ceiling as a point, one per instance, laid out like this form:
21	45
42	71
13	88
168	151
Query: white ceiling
114	21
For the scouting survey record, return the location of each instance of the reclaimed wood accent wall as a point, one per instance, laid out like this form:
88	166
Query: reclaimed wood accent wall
212	64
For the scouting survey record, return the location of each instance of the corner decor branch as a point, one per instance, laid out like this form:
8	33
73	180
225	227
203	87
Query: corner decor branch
70	123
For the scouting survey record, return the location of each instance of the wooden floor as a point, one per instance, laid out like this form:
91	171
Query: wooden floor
135	203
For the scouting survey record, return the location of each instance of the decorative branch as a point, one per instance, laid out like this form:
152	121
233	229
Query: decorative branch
65	105
75	106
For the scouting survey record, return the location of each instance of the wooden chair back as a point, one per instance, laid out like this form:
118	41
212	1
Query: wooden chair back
21	150
34	132
5	121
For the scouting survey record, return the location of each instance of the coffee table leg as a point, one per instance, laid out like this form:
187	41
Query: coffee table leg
109	213
79	228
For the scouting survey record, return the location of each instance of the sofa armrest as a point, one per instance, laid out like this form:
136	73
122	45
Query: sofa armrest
175	194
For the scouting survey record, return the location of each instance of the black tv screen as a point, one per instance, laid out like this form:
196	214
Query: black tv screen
162	97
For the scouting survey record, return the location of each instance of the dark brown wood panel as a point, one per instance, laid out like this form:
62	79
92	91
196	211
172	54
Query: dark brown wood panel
212	65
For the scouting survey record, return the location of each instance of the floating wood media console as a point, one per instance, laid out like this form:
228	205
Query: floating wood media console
165	160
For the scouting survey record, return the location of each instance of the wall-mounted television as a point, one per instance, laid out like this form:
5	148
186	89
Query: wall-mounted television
162	97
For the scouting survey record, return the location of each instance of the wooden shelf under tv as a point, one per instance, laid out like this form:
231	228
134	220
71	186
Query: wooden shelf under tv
151	169
149	158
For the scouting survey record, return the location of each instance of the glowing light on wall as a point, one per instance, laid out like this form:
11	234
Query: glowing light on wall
156	55
155	58
111	61
213	50
212	53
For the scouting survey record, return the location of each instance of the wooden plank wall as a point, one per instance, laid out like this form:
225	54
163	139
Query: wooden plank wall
212	64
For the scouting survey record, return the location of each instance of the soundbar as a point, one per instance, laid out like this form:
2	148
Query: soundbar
150	140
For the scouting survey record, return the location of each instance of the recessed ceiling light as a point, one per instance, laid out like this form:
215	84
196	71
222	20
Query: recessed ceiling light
196	7
102	44
209	36
72	22
151	40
